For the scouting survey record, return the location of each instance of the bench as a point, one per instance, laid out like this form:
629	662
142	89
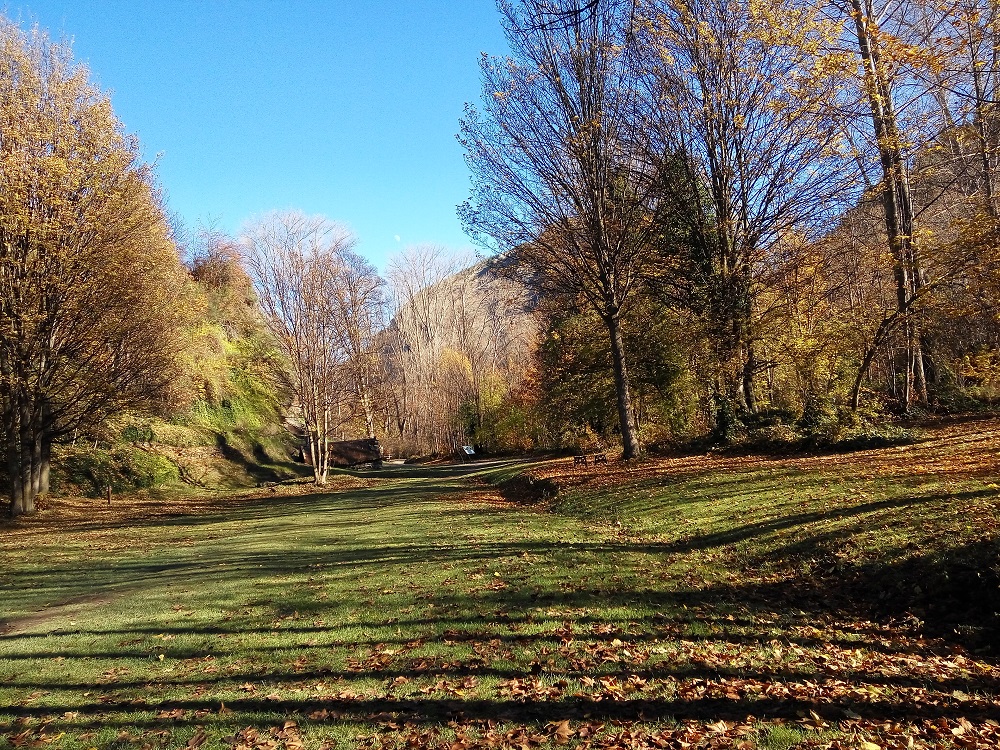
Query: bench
582	460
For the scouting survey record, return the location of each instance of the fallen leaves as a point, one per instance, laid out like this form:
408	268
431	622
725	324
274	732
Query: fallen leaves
529	690
599	642
286	737
197	739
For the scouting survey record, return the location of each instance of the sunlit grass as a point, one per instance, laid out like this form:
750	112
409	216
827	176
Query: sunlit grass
425	609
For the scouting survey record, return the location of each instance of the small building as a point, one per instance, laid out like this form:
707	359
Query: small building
346	453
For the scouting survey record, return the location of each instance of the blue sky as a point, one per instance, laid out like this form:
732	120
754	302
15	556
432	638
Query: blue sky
343	108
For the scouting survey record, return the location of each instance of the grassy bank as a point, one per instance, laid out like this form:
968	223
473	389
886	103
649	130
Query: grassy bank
906	531
696	602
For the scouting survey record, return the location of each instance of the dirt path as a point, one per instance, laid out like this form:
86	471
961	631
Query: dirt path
59	614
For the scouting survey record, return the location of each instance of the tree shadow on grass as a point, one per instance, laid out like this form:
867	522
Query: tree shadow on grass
724	616
115	713
716	691
956	594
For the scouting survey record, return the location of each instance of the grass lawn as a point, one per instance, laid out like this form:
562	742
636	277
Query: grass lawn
842	601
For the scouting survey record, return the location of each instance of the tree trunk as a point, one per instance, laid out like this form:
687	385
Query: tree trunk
14	472
323	463
896	202
630	439
36	465
749	369
859	379
984	115
364	396
46	464
23	495
917	365
22	476
314	453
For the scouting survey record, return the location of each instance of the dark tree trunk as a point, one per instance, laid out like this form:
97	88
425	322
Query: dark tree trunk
23	480
749	369
14	471
630	438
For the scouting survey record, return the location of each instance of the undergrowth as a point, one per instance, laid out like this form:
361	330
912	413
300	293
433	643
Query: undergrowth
234	440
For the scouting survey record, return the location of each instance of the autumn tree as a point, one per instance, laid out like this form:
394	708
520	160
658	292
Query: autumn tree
557	180
414	344
457	343
962	78
317	296
411	341
894	107
356	302
737	114
89	275
216	264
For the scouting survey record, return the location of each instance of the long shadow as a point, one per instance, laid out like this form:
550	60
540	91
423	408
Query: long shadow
469	636
412	668
301	559
969	605
270	508
436	710
644	629
950	591
866	590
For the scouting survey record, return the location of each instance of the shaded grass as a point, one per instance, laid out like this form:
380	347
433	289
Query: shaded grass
909	532
419	607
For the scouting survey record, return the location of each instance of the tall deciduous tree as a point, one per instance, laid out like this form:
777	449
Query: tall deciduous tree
317	298
88	271
357	303
556	176
891	88
738	111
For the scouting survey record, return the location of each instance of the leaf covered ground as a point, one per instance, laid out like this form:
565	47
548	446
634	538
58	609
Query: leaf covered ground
831	601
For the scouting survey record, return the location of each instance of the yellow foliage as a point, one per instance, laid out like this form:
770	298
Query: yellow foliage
91	301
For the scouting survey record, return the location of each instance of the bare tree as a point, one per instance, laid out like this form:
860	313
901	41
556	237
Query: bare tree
294	261
738	115
880	92
556	179
898	111
458	335
415	340
358	307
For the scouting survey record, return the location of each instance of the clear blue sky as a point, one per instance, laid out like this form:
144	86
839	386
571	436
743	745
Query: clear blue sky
338	107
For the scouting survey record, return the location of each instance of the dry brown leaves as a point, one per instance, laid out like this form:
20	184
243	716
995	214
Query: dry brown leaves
286	737
963	449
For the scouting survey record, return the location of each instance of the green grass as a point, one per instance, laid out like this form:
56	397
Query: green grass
919	537
423	610
777	513
780	737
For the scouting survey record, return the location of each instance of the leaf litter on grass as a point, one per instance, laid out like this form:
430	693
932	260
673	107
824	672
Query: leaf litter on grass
370	617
